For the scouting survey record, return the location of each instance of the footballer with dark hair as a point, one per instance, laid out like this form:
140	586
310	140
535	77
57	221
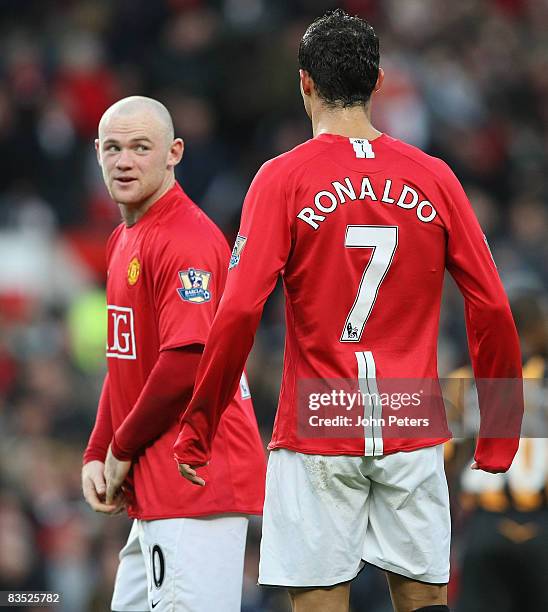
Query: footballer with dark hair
361	227
341	54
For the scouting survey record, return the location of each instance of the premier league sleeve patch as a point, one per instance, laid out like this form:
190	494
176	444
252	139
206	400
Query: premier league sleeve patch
237	251
195	285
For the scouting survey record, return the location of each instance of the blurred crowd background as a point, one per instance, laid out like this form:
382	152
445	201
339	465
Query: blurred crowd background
466	81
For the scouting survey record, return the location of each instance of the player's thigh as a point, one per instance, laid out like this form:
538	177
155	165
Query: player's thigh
314	520
409	529
130	586
195	564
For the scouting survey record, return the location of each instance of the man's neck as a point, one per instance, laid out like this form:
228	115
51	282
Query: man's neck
352	122
131	215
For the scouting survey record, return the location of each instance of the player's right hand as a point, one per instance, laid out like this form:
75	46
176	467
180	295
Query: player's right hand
94	488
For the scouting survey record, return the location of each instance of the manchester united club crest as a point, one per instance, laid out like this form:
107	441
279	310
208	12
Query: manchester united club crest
133	271
195	285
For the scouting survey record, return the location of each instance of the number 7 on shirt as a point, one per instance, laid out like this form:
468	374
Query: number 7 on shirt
383	239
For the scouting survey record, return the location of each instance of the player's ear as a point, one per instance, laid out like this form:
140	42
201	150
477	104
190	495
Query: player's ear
380	81
307	88
307	84
176	152
98	151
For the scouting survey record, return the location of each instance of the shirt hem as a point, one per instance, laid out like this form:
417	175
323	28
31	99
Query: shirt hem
163	515
355	453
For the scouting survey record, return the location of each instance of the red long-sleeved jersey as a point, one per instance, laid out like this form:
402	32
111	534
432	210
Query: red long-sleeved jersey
166	274
361	232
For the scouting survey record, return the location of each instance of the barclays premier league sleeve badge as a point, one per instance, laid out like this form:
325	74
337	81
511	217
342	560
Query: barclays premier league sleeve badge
195	285
237	251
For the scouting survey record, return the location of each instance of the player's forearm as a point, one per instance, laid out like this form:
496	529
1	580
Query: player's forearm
165	394
223	362
496	359
101	435
493	339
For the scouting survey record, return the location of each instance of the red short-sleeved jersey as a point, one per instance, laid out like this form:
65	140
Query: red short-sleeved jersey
362	233
166	275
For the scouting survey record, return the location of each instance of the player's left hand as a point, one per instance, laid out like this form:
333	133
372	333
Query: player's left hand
115	474
189	472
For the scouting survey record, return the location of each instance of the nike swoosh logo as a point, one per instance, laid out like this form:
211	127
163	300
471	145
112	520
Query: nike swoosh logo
155	604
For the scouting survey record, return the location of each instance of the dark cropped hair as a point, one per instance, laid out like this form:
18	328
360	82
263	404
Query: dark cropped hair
341	54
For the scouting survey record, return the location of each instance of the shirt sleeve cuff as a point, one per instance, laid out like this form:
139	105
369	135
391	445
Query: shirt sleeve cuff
186	449
94	455
118	452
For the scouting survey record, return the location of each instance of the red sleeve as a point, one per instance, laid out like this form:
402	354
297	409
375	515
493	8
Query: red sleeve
260	253
164	396
492	337
184	316
101	435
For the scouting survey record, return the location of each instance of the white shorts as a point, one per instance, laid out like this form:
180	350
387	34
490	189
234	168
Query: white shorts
325	516
182	565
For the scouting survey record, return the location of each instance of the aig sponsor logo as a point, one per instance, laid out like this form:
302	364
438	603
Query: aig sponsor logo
121	333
